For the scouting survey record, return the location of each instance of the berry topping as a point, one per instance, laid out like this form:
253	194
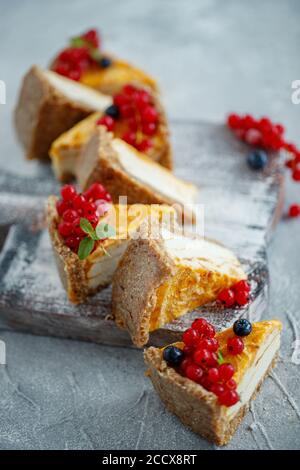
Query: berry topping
190	337
92	37
68	192
294	210
106	121
242	327
113	111
257	160
202	361
238	294
235	345
173	356
226	372
79	217
228	398
105	62
227	297
202	357
194	373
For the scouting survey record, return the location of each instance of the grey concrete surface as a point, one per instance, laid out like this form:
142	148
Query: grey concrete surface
210	57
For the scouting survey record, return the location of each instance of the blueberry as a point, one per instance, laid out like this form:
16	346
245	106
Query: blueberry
112	111
173	356
242	327
105	62
257	160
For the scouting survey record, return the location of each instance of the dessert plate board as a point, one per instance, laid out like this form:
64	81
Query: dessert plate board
241	208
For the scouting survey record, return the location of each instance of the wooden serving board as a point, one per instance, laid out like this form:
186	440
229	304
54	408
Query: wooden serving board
241	208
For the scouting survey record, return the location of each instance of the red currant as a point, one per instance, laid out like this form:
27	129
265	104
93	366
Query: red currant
202	357
241	286
77	229
227	297
149	128
120	99
194	373
294	210
185	364
73	243
226	371
94	192
129	89
188	350
126	110
149	114
228	398
130	138
235	345
70	215
231	384
65	229
106	121
217	389
79	202
61	207
296	174
144	145
242	297
233	121
211	344
190	337
199	324
92	37
213	374
206	383
68	192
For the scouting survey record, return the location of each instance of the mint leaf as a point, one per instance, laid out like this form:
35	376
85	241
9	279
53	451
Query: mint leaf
220	358
105	231
86	226
95	54
77	41
85	248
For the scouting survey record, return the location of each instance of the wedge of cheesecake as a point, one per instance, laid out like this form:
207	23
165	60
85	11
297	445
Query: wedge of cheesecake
66	149
165	274
48	105
82	278
199	408
126	172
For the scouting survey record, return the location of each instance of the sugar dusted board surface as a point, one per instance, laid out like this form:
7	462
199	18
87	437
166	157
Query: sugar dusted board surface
241	208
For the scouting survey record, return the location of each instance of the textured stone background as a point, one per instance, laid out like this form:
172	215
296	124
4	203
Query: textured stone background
209	57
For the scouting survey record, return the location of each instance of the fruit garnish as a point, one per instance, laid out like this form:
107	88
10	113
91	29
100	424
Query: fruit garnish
79	216
134	112
201	361
82	53
235	345
242	327
173	355
266	136
236	295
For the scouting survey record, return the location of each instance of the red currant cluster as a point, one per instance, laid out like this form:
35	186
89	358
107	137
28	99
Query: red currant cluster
269	136
73	206
238	294
201	361
134	108
82	54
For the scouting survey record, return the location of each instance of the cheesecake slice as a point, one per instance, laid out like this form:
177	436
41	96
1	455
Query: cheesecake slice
124	171
201	407
48	105
66	149
165	274
82	278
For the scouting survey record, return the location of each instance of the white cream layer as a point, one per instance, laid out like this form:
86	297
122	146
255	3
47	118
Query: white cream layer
255	374
153	175
77	92
104	266
197	252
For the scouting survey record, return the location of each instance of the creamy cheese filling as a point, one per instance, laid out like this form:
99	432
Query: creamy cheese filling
200	252
77	92
153	175
255	374
104	266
